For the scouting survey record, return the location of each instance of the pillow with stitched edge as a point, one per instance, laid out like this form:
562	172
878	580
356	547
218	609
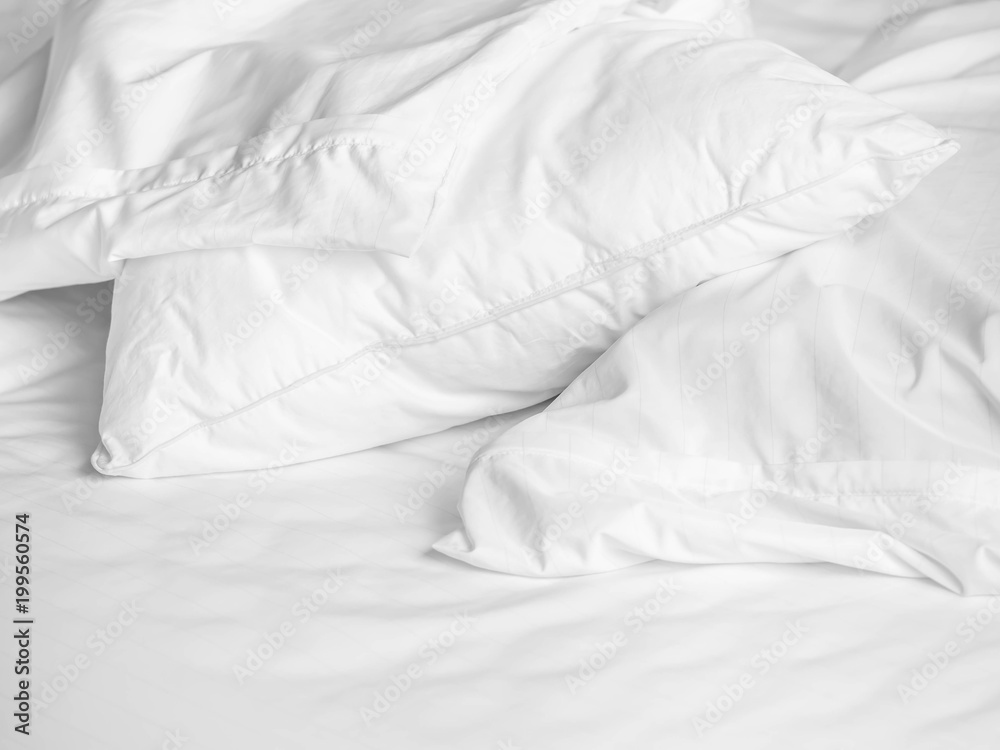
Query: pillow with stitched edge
839	404
610	173
212	126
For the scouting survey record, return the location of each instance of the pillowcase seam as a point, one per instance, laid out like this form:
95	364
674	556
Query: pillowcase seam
899	494
635	254
225	172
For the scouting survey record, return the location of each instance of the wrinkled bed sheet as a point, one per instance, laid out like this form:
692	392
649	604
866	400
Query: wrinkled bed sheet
156	604
302	608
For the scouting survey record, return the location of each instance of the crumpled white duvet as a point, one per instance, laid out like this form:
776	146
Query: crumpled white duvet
841	404
168	125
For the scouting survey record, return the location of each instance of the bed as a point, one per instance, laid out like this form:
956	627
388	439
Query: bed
303	605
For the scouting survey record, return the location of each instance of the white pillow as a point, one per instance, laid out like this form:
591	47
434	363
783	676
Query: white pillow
712	19
618	168
172	125
839	404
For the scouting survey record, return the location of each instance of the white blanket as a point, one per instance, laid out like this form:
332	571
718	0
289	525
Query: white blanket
168	591
301	608
840	404
168	125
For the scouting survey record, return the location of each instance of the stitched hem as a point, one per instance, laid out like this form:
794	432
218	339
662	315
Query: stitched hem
568	283
234	169
914	493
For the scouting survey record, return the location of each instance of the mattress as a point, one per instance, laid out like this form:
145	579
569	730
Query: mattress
301	608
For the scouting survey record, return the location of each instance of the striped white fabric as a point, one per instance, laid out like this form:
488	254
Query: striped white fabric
838	404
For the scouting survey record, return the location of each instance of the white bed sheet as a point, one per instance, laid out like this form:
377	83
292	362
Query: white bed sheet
167	680
500	684
825	32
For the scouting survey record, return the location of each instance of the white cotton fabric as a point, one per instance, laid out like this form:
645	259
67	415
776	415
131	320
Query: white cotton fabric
168	125
863	674
624	163
829	33
710	19
840	404
512	680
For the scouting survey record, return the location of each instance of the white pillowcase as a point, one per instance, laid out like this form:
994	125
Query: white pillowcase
171	125
840	404
621	166
709	19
